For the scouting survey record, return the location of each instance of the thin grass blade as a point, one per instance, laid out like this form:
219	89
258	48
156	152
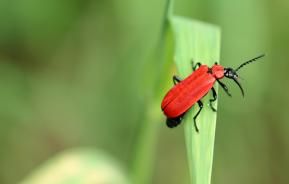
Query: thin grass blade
198	42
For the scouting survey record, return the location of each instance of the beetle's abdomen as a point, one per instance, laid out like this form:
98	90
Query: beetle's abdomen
178	88
189	95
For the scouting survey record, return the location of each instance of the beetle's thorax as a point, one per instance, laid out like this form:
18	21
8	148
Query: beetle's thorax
217	71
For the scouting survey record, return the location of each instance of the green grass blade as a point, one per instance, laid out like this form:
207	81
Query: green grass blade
156	72
199	42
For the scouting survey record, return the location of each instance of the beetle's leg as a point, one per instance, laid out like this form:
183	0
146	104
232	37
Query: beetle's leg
213	99
224	87
200	103
176	79
196	65
173	122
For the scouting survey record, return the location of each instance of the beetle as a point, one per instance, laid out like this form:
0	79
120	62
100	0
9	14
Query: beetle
186	93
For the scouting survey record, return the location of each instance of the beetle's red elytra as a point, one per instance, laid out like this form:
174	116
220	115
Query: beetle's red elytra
181	97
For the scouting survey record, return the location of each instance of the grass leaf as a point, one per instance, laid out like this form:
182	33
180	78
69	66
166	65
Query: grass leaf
199	42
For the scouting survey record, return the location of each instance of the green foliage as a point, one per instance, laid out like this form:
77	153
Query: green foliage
192	40
199	42
77	73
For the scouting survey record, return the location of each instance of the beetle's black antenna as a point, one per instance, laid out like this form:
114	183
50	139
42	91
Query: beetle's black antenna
250	61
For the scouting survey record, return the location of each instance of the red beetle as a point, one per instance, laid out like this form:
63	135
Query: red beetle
192	89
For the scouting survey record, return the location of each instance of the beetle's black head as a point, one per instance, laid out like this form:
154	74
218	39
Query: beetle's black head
232	73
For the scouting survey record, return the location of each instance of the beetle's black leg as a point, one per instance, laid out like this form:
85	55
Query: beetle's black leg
200	103
176	79
224	87
213	99
194	66
173	122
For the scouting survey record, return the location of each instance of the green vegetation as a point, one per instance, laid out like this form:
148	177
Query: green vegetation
202	43
83	81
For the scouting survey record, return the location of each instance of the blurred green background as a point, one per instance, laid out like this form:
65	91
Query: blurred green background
77	73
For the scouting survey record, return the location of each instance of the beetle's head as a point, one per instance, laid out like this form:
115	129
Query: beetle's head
232	73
